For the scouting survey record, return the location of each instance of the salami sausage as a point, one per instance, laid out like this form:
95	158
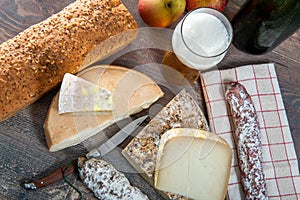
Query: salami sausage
106	182
247	137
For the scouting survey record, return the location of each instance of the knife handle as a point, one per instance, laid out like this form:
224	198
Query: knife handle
53	177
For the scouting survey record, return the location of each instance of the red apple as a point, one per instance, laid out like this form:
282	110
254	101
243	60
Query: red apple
161	13
216	4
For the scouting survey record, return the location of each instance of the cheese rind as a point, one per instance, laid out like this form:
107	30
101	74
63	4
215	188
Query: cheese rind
193	163
79	95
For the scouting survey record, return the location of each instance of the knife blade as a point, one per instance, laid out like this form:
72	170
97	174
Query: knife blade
118	138
103	149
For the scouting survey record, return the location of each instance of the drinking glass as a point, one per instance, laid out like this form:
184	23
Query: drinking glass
202	38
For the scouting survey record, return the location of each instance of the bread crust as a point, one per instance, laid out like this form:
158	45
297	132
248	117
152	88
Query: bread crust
35	61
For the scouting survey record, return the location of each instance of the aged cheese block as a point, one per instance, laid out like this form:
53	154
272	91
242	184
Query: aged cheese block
131	91
79	95
181	111
194	163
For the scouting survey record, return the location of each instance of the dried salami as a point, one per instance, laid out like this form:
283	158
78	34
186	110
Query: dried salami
247	137
106	182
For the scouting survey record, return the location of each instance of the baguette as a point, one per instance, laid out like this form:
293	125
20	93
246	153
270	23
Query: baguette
35	61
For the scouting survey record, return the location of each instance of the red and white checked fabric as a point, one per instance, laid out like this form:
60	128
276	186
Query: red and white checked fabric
279	158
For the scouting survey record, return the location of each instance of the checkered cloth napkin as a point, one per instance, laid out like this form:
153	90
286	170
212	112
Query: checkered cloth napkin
279	158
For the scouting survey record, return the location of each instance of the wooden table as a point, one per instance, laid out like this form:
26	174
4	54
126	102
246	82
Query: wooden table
23	152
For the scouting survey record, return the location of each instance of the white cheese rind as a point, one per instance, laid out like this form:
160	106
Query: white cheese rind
79	95
193	163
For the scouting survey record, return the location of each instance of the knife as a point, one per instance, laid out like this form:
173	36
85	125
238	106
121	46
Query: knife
116	139
103	149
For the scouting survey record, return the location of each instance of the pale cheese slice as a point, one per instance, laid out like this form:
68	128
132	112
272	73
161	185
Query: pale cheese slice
194	163
79	95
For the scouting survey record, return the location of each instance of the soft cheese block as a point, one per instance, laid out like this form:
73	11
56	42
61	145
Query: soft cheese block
79	95
194	163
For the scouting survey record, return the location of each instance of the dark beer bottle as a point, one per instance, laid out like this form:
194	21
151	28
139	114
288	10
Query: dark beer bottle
261	25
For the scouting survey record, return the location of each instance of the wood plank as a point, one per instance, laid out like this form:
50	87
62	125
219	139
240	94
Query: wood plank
23	152
290	48
16	15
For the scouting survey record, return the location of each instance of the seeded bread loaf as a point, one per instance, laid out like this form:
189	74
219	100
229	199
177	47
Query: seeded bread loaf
35	61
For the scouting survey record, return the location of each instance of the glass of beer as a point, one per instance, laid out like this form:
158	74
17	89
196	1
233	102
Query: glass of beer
202	38
176	72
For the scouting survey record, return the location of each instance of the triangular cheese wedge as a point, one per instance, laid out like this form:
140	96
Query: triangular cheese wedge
181	112
194	163
79	95
131	92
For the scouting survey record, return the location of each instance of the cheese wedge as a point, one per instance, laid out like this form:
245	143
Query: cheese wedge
194	163
79	95
131	92
181	112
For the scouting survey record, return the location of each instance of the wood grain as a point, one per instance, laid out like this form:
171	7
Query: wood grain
23	152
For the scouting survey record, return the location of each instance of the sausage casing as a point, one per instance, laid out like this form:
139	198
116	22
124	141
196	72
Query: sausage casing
247	137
